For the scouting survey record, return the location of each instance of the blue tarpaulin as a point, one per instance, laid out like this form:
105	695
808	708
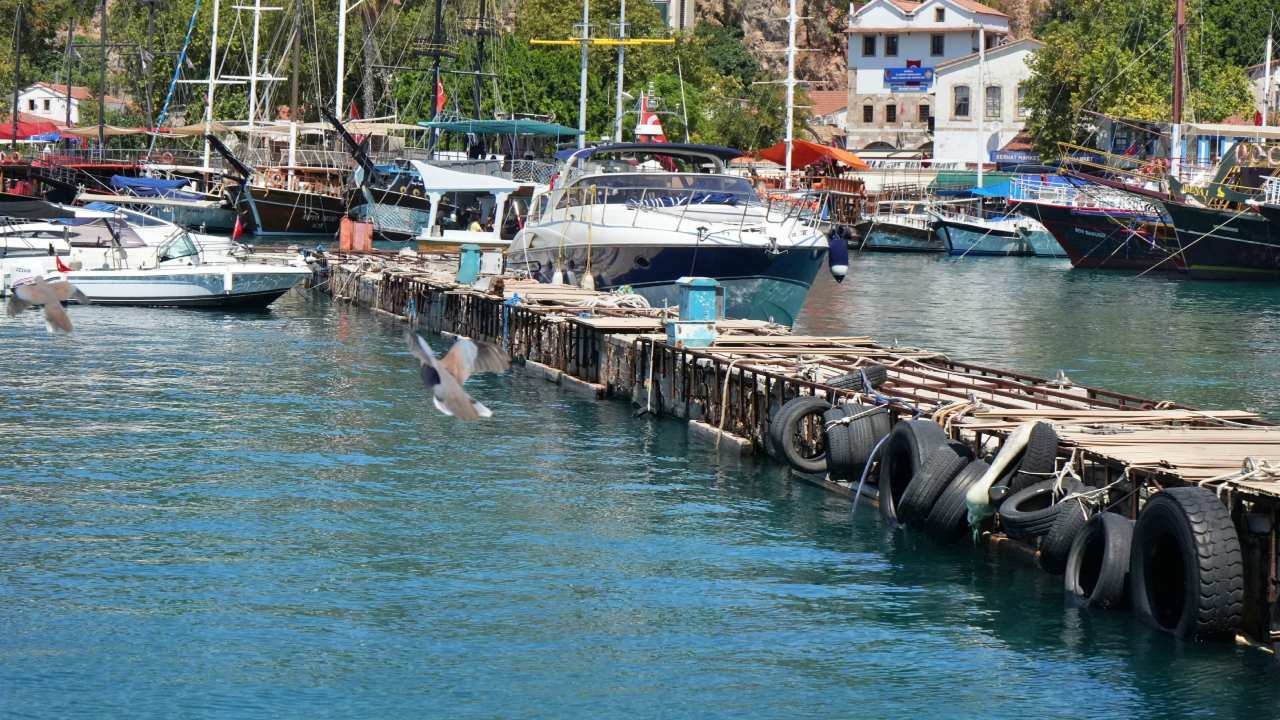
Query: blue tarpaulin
153	187
992	189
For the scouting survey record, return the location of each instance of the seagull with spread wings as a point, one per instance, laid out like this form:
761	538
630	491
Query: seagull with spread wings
49	294
444	377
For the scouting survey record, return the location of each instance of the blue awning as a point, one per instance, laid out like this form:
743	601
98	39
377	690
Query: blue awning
153	187
993	189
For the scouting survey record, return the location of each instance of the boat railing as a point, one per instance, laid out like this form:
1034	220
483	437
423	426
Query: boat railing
1033	189
692	207
1271	190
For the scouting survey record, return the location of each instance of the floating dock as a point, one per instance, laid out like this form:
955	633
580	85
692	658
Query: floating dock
593	343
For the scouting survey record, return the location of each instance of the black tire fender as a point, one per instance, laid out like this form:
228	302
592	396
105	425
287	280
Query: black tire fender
785	431
933	477
849	445
1097	569
1186	570
1055	546
1030	512
949	517
909	445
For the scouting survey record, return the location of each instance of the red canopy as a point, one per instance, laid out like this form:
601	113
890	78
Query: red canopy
805	153
27	126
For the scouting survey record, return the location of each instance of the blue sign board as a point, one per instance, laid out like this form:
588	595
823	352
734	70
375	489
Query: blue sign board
908	79
1014	156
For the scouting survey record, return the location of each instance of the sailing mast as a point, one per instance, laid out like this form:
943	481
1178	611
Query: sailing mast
1175	135
71	31
295	69
582	89
791	85
17	74
102	83
622	56
208	99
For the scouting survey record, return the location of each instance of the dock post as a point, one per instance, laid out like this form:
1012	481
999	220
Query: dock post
701	306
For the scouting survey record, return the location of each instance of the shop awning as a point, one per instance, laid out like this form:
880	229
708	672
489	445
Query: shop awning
805	153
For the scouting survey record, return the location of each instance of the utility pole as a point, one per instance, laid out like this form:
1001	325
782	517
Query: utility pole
622	56
17	75
981	100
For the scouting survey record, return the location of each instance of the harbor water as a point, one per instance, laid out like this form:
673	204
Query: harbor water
261	516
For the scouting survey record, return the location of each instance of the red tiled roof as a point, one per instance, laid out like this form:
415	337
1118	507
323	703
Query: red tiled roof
826	102
970	5
7	119
78	92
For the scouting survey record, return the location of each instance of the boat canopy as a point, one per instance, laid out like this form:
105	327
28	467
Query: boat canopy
718	152
502	127
805	153
41	210
436	179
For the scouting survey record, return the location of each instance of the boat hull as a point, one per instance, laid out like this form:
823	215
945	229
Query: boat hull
1227	244
275	212
883	237
1097	239
242	287
966	239
759	284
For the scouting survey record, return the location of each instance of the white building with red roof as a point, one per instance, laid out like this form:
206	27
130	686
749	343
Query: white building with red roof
49	101
894	48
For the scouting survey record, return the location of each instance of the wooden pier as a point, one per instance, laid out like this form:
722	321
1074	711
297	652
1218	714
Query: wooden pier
729	392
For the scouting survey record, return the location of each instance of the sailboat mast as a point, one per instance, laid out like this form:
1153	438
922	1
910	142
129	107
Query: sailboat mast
208	98
342	58
102	82
582	89
253	62
295	69
437	42
1266	86
17	75
622	57
791	84
481	33
1175	136
71	36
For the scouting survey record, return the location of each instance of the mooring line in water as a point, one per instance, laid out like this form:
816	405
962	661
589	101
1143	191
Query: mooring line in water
1203	235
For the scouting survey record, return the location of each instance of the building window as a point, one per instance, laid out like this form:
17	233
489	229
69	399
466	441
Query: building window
31	105
891	46
939	15
961	107
868	45
924	112
46	105
1020	111
891	113
664	11
868	114
937	44
993	109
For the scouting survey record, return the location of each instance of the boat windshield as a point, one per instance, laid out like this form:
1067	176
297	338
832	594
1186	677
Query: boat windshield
181	246
661	190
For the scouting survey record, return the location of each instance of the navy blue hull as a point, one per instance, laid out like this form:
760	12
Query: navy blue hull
1227	244
758	284
1109	240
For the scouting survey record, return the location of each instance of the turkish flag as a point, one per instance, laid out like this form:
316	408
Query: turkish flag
441	98
238	230
62	267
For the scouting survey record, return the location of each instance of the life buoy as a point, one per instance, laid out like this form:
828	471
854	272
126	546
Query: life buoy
167	158
15	156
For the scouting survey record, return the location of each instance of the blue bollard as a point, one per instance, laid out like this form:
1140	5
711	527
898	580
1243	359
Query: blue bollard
701	305
469	264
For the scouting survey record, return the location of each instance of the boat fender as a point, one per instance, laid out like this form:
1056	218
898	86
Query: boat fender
557	278
977	500
228	278
838	253
167	158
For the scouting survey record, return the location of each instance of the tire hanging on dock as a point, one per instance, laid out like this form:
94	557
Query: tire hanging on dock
1030	512
849	444
789	436
1186	570
908	446
949	518
1039	460
1055	546
934	476
1097	569
875	375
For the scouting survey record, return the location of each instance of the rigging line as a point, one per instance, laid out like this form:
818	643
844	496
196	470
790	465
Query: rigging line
1202	236
177	71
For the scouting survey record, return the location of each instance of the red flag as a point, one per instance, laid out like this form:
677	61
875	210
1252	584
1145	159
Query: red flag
62	267
354	112
238	230
441	98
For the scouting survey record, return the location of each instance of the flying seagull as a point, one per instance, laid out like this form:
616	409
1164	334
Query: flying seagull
444	377
51	296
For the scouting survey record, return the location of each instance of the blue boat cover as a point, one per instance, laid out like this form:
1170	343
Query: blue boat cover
153	187
994	189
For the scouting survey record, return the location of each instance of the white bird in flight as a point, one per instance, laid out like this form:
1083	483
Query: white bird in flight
445	377
51	295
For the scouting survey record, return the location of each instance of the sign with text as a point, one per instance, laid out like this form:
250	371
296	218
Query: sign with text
909	79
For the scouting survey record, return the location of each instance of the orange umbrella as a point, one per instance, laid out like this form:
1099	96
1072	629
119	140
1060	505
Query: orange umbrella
805	153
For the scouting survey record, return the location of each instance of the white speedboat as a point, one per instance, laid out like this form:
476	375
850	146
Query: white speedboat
110	262
644	215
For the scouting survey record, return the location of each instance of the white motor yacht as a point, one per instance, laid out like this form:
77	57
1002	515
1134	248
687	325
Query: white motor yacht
644	215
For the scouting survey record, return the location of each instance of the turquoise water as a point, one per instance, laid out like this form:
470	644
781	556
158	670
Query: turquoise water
209	515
